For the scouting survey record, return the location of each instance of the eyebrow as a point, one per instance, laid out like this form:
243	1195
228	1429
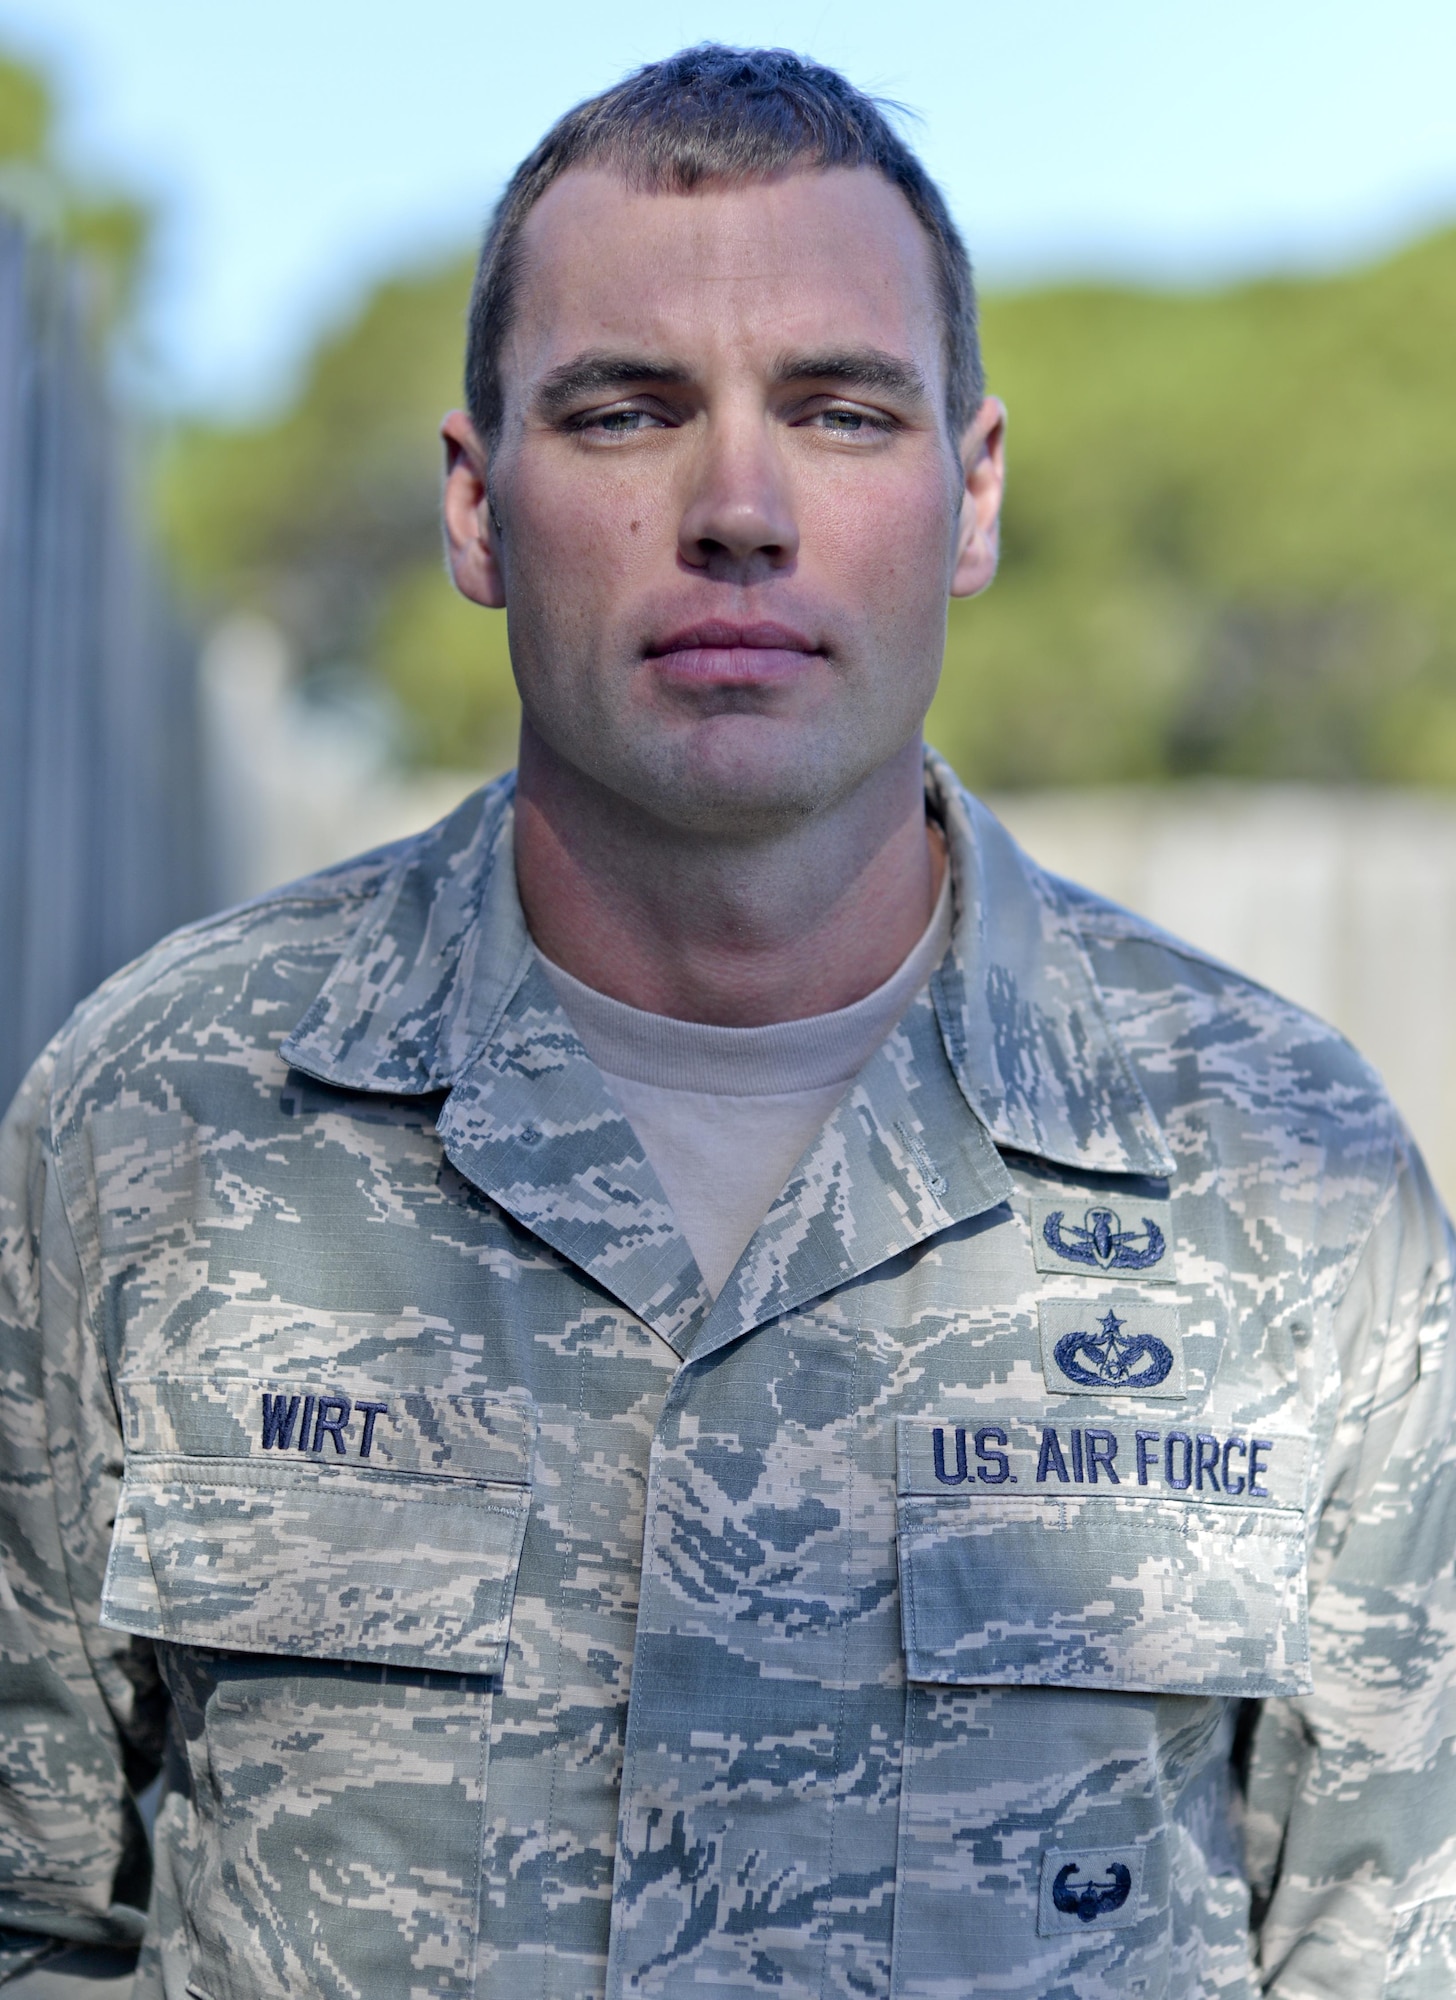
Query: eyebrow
603	374
866	368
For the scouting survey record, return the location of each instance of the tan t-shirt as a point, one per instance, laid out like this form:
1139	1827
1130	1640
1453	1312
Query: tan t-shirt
724	1114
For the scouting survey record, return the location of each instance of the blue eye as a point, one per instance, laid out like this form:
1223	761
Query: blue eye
851	423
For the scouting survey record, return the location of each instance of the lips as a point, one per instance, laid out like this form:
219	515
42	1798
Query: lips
724	651
721	634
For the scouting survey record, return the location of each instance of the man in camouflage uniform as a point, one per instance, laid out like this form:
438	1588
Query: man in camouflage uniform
1026	1571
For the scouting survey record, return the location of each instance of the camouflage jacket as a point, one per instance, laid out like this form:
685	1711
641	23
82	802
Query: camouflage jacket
1031	1576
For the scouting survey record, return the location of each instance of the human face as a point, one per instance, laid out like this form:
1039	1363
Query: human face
724	512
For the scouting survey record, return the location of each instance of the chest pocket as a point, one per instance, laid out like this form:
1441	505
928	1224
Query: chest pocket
325	1522
1139	1556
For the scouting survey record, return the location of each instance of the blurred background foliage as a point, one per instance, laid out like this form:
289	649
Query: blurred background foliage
1228	535
326	520
110	230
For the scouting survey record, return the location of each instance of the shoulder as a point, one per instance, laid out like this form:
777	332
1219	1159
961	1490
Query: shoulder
1266	1108
1256	1091
1189	1024
219	997
1183	999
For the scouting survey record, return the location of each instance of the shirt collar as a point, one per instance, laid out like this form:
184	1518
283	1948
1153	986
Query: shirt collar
1025	1026
417	994
423	982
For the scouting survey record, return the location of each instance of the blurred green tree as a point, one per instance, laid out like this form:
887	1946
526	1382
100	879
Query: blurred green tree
325	519
1226	545
1227	535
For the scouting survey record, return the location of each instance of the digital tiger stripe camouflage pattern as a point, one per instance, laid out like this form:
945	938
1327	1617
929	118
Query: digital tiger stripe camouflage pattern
1031	1576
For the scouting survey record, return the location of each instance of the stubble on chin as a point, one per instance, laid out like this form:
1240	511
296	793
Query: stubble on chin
741	779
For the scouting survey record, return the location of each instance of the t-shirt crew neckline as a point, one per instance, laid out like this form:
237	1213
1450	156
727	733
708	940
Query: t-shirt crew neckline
783	1057
724	1114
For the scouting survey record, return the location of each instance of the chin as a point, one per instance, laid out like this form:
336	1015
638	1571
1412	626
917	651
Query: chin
748	781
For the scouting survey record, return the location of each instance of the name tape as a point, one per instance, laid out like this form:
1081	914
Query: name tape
359	1425
321	1420
1036	1458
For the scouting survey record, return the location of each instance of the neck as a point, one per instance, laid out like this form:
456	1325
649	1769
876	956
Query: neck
802	921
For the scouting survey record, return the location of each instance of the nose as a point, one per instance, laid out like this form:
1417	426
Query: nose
738	523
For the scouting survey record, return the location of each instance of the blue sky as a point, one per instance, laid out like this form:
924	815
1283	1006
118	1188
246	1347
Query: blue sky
298	147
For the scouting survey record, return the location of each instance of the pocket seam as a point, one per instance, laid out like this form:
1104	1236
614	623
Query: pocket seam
418	1485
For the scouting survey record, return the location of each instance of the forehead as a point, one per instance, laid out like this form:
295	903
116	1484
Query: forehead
797	263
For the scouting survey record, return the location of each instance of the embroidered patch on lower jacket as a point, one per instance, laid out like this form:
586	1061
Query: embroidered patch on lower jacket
1133	1240
1090	1889
1111	1347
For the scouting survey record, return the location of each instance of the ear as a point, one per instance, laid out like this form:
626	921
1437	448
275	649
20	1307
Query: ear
472	539
978	533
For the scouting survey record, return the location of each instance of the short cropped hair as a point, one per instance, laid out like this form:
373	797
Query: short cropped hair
720	116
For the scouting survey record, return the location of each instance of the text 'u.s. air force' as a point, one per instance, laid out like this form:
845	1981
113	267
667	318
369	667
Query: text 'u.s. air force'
1039	1457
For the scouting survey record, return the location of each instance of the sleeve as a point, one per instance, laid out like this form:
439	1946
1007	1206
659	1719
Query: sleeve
1352	1790
82	1706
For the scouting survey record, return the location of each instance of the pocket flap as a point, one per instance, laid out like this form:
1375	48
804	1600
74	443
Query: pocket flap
1017	1568
382	1527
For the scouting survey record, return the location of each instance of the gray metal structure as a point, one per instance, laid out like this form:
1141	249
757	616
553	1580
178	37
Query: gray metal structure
101	838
